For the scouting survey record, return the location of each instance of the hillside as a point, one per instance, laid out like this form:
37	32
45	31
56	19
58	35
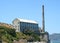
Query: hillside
55	36
6	25
8	34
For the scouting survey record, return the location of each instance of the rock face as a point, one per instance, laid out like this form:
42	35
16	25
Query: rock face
44	37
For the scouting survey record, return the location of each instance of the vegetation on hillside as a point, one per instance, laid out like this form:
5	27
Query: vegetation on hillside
9	34
32	34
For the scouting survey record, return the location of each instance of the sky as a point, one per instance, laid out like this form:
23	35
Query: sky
32	10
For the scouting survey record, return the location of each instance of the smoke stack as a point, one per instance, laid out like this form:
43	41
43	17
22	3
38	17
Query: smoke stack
43	21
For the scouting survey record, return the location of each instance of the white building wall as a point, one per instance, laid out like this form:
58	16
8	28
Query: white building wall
16	25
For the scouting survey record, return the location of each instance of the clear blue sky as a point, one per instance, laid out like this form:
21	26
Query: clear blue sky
32	9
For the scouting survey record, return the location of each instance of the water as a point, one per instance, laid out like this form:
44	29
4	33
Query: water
55	41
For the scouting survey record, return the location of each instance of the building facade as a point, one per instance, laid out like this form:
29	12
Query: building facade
21	24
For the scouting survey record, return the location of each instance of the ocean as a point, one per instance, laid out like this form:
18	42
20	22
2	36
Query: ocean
55	41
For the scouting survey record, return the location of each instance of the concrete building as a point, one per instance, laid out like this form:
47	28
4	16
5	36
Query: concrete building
22	24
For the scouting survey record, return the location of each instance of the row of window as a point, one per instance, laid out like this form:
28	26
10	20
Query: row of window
24	25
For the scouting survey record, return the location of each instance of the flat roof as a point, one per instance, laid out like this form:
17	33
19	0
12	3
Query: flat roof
28	21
